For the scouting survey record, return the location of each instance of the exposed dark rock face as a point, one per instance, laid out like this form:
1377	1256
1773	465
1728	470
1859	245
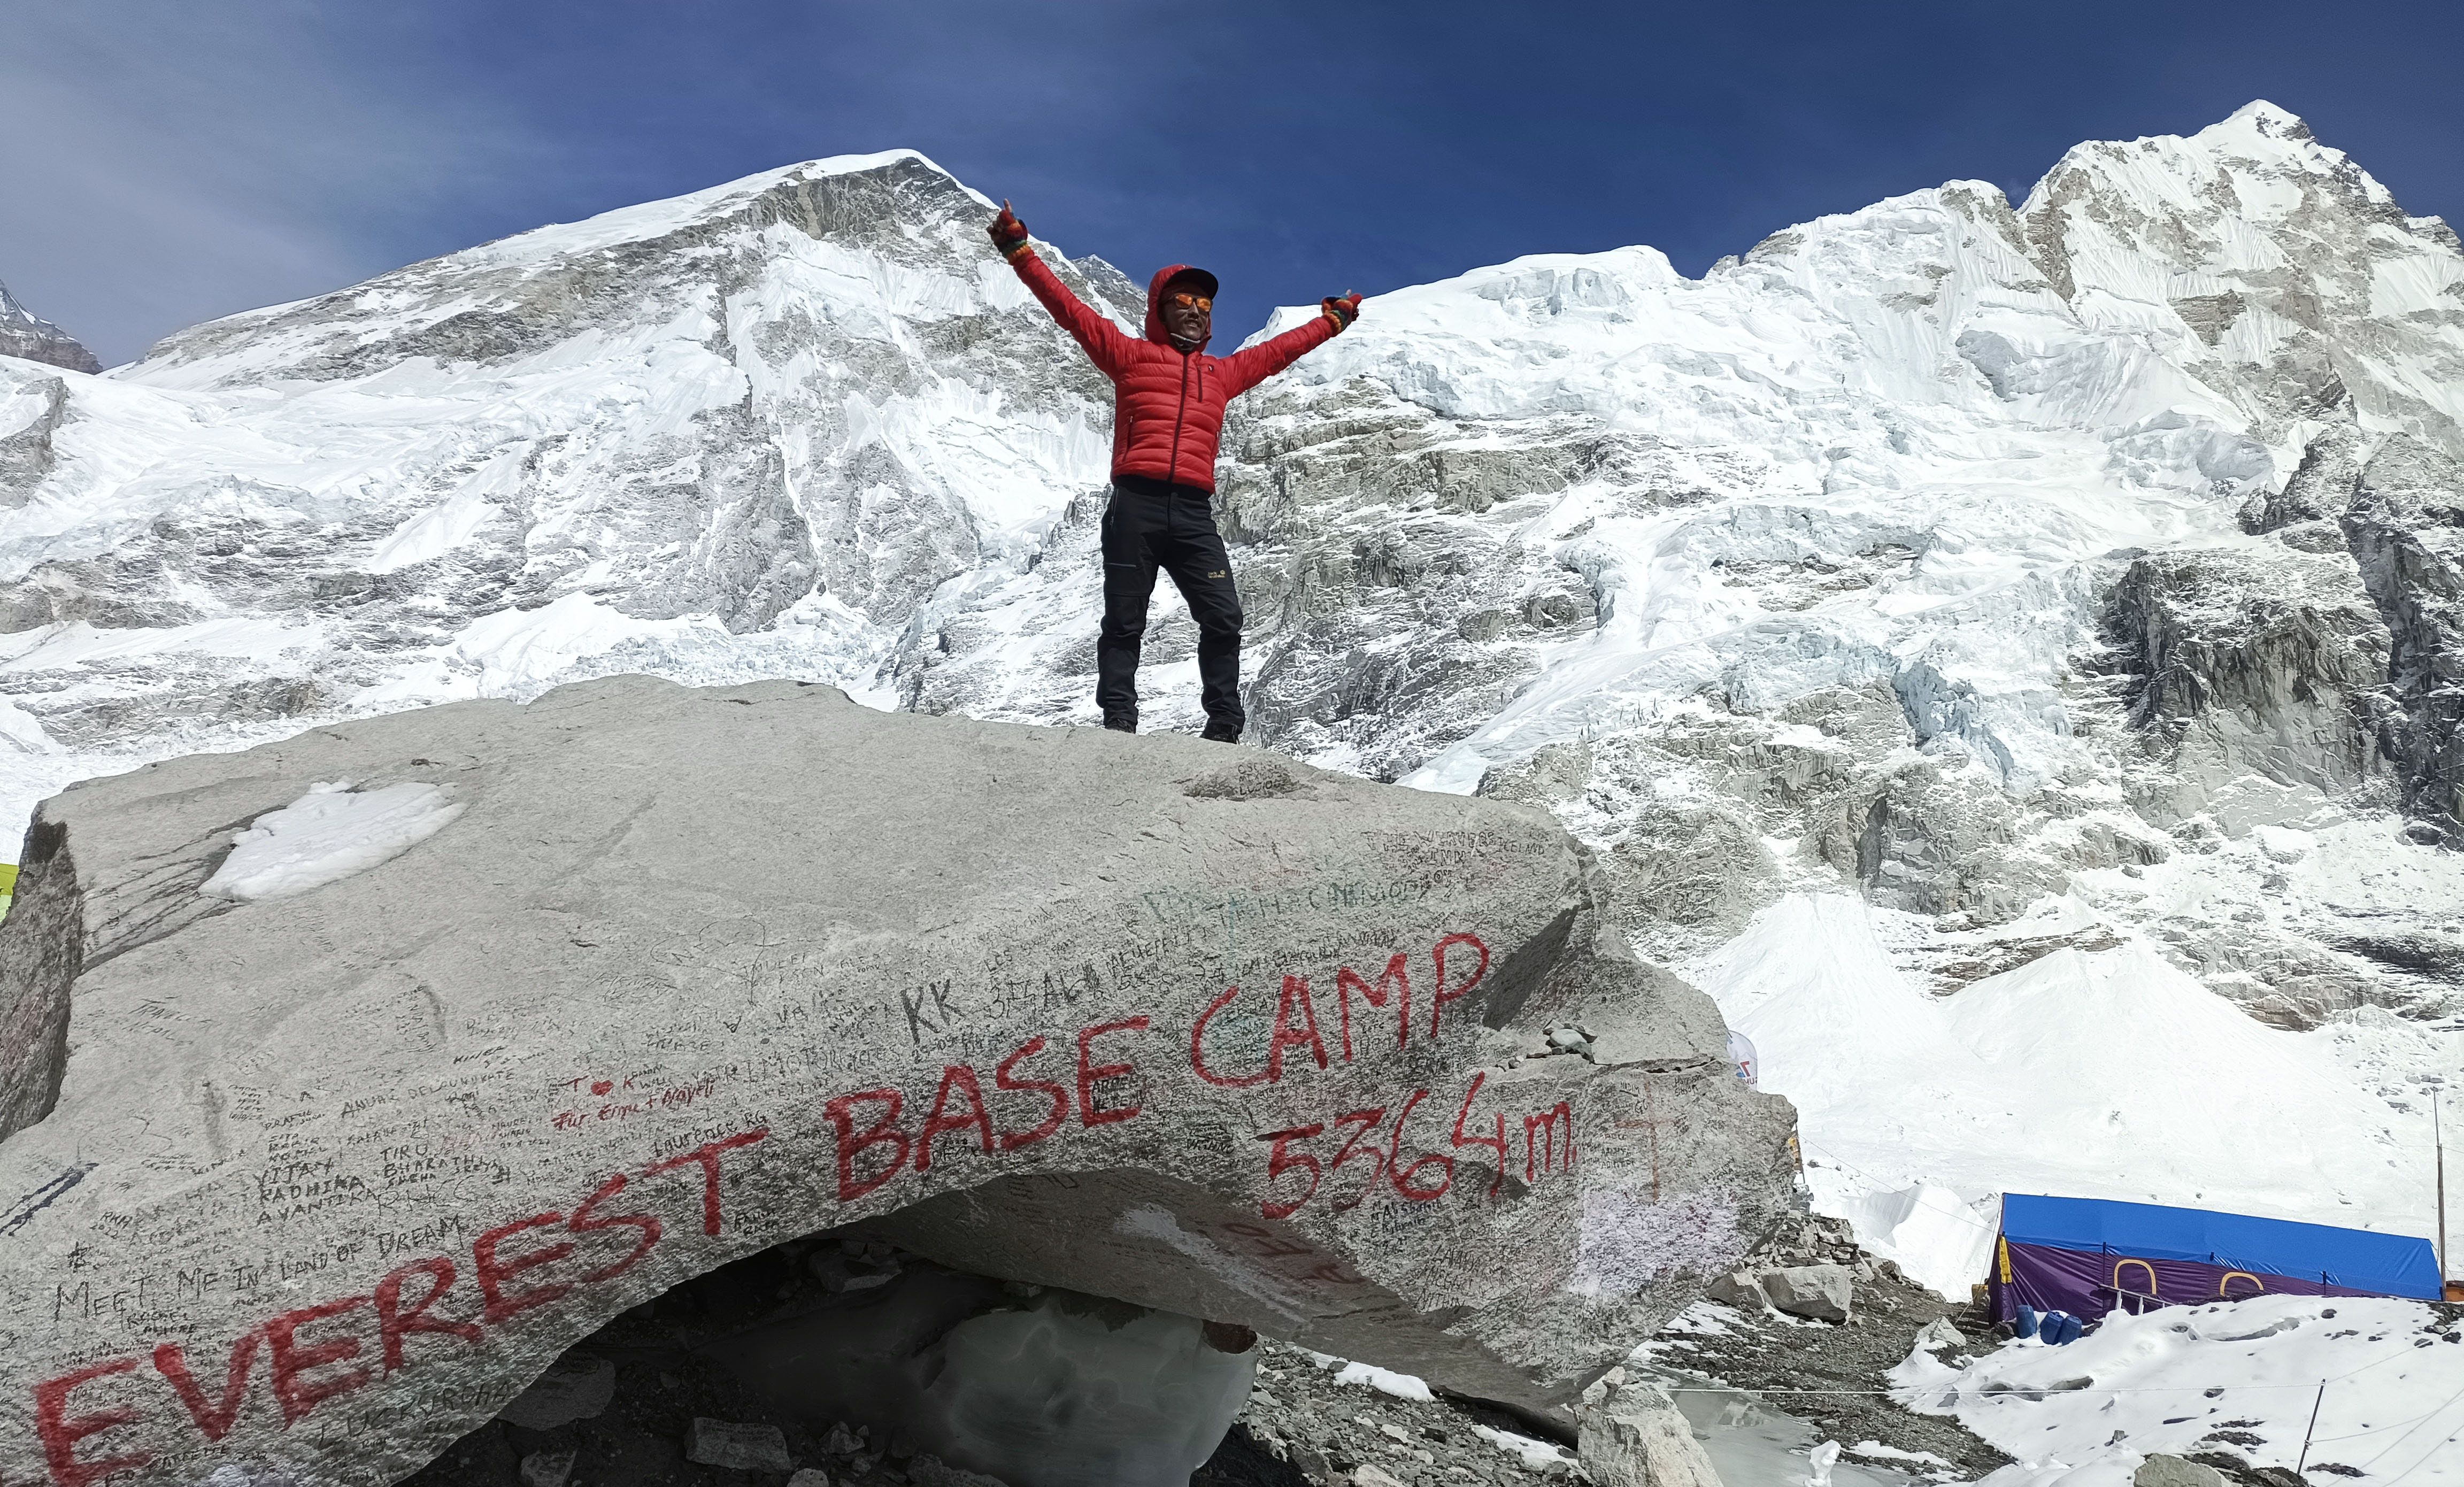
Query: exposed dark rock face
2248	662
33	407
2336	667
1392	598
2316	494
22	334
2323	664
2406	523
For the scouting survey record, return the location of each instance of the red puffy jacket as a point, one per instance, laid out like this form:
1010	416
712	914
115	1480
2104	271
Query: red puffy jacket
1167	403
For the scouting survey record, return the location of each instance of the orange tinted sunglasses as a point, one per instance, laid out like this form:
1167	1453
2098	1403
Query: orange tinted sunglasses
1189	301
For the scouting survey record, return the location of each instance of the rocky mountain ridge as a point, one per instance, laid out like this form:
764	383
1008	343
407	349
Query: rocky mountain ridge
26	336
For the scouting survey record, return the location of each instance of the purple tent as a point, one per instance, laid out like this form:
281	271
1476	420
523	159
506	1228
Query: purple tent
2086	1256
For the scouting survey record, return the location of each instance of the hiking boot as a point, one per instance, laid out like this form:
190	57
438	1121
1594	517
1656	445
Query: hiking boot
1219	731
1121	722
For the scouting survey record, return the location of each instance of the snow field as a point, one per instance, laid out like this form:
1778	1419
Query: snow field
2087	1415
2107	1075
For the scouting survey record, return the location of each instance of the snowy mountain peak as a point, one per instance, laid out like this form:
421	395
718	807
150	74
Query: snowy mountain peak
778	188
497	302
2261	168
2266	118
2258	139
2270	264
25	334
784	409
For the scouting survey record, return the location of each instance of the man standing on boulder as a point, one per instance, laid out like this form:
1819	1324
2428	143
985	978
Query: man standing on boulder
1168	400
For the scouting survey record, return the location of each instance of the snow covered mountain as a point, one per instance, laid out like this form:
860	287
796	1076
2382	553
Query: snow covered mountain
1977	639
739	433
25	334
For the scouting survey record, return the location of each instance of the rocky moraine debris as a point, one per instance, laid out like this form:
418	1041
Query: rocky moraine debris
1829	1371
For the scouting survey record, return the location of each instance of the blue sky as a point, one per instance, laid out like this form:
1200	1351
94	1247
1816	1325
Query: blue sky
162	162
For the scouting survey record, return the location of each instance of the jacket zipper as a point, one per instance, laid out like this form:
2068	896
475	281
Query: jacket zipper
1181	415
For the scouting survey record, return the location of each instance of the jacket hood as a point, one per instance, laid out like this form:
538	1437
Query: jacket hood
1155	298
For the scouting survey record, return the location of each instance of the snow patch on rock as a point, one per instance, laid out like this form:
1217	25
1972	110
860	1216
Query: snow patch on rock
327	835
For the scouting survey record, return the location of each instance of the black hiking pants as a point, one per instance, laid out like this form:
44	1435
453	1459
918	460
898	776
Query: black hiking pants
1150	525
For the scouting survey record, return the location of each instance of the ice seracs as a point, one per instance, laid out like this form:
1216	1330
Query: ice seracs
2097	1074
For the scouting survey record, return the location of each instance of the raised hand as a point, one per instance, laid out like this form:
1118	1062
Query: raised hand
1341	309
1007	232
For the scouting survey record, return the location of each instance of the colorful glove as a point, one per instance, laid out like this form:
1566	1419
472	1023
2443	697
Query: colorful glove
1008	233
1341	309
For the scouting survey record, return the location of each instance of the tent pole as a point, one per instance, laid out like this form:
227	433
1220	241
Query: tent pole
2438	1139
2307	1431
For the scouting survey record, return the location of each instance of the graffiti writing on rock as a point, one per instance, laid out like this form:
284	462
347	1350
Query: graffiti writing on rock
1423	1179
1296	1020
886	1132
619	1099
448	1286
311	1354
875	1143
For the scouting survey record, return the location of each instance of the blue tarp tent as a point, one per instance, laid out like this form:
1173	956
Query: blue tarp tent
2087	1255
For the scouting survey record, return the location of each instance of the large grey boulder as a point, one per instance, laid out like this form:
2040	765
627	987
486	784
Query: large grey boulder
2164	1471
312	1185
1634	1435
1739	1288
1820	1292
